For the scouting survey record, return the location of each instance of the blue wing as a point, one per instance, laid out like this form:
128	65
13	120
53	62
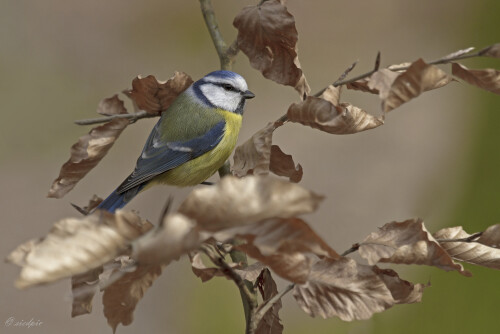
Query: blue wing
159	156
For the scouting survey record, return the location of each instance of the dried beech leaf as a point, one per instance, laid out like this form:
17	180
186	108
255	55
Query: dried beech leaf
343	288
85	155
121	297
93	203
361	85
407	242
254	155
282	244
233	202
176	236
487	79
267	35
111	106
491	51
271	322
251	272
320	113
402	291
84	287
282	164
491	237
470	252
87	242
418	78
381	82
156	96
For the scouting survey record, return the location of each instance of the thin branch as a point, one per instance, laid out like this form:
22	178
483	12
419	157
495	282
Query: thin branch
354	248
268	304
132	117
226	54
443	60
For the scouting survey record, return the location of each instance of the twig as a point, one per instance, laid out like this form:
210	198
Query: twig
226	54
132	117
268	304
354	248
249	298
444	60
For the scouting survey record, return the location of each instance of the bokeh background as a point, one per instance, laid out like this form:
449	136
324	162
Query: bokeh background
436	157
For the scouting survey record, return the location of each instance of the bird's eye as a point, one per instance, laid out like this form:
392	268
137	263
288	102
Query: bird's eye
228	87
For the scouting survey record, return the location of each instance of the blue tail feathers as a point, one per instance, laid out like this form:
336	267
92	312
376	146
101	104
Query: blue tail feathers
117	201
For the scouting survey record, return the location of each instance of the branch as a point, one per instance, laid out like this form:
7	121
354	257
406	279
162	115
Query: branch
132	117
471	238
248	297
226	54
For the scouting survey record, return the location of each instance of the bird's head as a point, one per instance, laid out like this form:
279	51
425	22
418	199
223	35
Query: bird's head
223	89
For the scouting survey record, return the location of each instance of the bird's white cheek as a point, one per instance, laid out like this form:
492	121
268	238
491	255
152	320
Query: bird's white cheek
220	98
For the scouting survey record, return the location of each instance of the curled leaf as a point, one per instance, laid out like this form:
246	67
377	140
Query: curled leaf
491	236
254	155
491	51
176	236
267	35
270	322
87	242
418	78
487	79
282	164
402	291
343	288
121	297
156	96
233	202
85	155
407	242
471	252
284	245
111	106
322	113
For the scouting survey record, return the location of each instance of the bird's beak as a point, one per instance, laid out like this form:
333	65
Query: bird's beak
248	95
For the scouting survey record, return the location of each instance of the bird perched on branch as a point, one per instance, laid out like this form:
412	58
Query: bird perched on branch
192	139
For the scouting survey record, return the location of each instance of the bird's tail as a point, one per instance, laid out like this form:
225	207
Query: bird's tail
117	201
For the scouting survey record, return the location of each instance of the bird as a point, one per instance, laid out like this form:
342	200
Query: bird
192	139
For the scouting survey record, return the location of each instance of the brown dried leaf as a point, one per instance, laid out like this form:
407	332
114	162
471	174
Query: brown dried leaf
361	85
470	252
84	287
491	51
402	291
407	242
121	297
271	322
282	244
111	106
93	203
418	78
156	96
267	35
176	236
85	155
491	237
343	288
233	202
381	82
88	242
251	272
487	79
282	164
254	155
322	113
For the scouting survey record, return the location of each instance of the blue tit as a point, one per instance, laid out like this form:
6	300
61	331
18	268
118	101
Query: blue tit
192	139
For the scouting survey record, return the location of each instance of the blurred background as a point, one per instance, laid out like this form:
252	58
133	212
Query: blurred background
436	157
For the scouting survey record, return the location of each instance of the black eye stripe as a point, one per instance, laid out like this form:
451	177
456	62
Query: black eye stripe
228	87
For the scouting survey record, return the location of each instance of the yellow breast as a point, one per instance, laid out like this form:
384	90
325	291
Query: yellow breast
198	170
